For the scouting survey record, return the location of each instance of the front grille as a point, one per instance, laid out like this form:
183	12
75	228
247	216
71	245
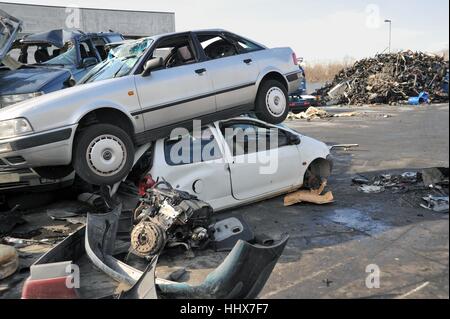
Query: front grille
13	185
15	159
2	163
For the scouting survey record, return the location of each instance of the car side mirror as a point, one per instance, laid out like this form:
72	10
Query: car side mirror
294	139
151	65
90	61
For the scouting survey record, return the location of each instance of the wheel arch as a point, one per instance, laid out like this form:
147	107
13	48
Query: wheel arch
273	75
318	170
107	115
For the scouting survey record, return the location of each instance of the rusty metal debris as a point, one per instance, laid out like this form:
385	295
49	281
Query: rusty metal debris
310	196
388	79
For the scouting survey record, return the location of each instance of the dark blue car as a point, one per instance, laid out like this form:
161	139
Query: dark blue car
46	62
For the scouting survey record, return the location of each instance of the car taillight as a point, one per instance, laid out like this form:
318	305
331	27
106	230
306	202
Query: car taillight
51	288
294	58
51	281
146	183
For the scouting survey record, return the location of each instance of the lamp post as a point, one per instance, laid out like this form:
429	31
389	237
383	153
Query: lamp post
390	33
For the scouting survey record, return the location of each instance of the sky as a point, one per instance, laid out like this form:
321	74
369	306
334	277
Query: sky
318	30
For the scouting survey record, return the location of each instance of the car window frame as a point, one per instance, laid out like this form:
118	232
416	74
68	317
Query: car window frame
214	34
145	57
252	123
221	155
88	40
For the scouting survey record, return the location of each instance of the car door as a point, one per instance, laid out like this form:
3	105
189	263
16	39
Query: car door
233	72
9	27
179	91
263	159
196	165
88	58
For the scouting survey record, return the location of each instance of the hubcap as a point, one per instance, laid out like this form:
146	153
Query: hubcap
276	101
106	155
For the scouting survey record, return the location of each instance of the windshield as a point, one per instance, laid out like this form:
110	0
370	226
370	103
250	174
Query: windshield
120	62
69	57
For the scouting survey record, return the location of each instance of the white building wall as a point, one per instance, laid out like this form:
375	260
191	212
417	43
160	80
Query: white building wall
38	18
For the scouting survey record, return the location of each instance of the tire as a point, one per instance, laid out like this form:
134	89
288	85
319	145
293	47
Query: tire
272	104
103	154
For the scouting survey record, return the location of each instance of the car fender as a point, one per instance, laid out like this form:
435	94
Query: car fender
101	104
311	150
266	71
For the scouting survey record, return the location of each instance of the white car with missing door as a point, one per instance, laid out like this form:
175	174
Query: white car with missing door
143	91
228	170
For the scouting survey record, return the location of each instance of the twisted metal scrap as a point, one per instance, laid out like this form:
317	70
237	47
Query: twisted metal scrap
390	79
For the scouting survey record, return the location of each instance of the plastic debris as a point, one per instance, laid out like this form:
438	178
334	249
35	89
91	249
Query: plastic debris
423	97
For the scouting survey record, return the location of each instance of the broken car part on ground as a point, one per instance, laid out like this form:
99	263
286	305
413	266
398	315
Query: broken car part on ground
429	185
241	275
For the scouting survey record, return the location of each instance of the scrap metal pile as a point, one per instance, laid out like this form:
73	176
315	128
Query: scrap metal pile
388	79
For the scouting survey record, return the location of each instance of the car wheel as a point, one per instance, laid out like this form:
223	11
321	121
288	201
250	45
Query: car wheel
272	102
103	154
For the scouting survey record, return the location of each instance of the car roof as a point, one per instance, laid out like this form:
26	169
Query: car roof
58	37
188	31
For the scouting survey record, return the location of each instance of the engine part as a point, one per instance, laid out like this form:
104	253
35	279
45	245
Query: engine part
148	238
166	216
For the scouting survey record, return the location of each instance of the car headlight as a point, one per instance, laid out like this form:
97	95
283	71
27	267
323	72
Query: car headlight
15	127
6	100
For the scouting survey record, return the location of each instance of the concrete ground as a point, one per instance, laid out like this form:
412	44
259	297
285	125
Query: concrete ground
331	246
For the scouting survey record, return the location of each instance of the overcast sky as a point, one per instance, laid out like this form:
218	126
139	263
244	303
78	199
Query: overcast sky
319	30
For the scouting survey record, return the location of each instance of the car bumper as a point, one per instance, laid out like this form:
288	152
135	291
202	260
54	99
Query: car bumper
27	179
50	148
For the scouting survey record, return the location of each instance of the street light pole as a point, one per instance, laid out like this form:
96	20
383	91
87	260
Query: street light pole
390	33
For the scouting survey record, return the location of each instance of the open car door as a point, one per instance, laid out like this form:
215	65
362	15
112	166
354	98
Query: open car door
9	27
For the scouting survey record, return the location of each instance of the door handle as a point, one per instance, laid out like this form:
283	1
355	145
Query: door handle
248	61
200	71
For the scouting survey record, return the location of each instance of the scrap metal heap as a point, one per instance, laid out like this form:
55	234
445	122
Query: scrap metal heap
389	79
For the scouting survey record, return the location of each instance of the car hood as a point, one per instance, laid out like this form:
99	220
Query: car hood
28	79
9	27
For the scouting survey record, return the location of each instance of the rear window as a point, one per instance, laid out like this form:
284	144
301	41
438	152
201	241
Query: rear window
245	45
